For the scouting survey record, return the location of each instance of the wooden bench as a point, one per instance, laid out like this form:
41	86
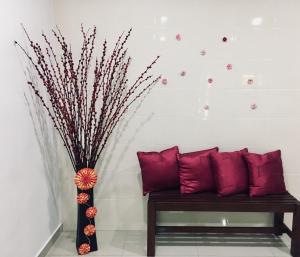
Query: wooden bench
174	201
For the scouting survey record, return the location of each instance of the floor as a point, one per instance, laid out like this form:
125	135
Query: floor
133	243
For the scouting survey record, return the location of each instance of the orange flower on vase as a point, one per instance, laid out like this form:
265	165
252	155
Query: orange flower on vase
91	212
82	198
84	249
85	179
89	230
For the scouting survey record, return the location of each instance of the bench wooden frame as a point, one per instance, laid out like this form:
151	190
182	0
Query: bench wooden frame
174	201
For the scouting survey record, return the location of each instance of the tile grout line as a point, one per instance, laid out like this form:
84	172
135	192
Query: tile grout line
124	243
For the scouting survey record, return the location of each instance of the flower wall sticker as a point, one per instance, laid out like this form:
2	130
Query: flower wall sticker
178	37
229	66
206	107
250	82
224	39
203	52
183	73
253	106
210	80
164	81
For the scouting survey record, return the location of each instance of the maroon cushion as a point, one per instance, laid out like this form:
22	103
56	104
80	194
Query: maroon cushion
195	171
159	170
230	172
266	173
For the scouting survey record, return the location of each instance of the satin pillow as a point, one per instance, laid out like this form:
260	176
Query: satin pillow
230	172
195	171
159	170
266	173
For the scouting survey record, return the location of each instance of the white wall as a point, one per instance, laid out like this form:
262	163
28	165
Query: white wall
29	212
264	44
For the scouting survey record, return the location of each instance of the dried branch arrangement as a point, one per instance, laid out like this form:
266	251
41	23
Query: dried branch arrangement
85	100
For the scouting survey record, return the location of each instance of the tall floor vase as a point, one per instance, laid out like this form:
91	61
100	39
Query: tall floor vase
86	240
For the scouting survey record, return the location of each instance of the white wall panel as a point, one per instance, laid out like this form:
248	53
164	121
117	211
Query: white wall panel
263	44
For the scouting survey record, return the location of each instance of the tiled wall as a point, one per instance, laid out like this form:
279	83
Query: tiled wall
263	44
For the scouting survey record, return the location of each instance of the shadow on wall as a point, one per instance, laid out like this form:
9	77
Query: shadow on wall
107	157
57	167
47	142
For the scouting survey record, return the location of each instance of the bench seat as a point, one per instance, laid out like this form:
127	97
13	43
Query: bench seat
209	202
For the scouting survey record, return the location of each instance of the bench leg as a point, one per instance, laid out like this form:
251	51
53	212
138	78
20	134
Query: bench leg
278	222
295	245
151	229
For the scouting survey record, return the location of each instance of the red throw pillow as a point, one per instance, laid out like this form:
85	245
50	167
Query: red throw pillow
266	173
195	171
159	170
230	171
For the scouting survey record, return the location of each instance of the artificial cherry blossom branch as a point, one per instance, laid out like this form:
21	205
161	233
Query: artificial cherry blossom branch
85	101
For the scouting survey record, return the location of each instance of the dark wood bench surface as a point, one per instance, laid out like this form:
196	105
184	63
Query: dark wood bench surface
168	200
177	196
172	200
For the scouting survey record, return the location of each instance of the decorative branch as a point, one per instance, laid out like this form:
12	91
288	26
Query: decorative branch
84	113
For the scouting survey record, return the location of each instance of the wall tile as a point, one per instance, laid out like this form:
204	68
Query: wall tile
263	44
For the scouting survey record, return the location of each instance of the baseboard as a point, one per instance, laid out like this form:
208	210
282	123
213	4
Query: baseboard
50	242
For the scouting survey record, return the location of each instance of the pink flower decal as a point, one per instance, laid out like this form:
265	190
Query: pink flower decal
178	37
164	81
229	66
183	73
210	80
253	106
203	52
206	107
250	81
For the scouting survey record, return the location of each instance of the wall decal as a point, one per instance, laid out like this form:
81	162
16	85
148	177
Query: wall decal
210	80
229	66
253	106
203	52
183	73
224	39
206	107
250	81
178	37
164	81
89	230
